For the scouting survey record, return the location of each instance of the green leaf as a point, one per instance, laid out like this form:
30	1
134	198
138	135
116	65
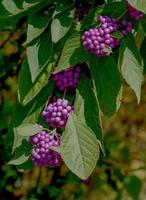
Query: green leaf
133	185
106	80
79	147
91	18
142	52
35	29
140	35
131	65
86	106
114	9
38	54
19	160
12	8
58	30
117	34
28	129
138	4
72	53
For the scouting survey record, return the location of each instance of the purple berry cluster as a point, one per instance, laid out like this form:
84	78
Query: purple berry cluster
97	40
134	13
126	27
42	154
100	41
56	113
68	78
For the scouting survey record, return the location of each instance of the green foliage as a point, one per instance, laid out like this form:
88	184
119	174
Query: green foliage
79	147
54	43
107	83
131	65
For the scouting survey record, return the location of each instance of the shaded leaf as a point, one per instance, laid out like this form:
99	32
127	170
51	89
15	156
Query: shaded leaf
106	79
131	65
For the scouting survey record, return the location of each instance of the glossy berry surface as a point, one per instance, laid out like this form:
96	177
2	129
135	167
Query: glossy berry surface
100	41
56	113
134	13
67	79
42	154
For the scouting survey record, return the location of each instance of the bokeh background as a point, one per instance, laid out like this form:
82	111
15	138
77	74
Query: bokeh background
120	173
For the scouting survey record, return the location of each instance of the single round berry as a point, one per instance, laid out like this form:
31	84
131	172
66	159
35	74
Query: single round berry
42	154
56	113
67	78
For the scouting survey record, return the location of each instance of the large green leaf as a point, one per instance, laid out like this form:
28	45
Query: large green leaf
72	53
79	147
107	82
138	4
35	29
86	105
131	65
39	53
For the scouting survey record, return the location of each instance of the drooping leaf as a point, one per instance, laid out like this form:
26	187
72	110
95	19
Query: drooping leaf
79	147
86	106
131	65
107	82
138	4
38	54
72	53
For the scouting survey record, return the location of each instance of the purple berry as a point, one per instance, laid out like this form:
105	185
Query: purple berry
134	13
63	78
57	117
42	155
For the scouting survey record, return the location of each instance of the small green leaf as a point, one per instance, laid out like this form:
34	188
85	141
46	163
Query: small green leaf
28	129
133	186
79	147
117	34
131	65
106	79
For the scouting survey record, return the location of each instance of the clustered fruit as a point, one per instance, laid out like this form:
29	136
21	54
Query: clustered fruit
134	13
56	113
100	41
42	154
67	79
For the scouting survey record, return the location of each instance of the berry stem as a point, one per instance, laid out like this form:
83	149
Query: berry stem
65	91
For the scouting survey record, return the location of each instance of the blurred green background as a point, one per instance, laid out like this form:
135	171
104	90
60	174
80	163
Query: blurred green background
120	174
